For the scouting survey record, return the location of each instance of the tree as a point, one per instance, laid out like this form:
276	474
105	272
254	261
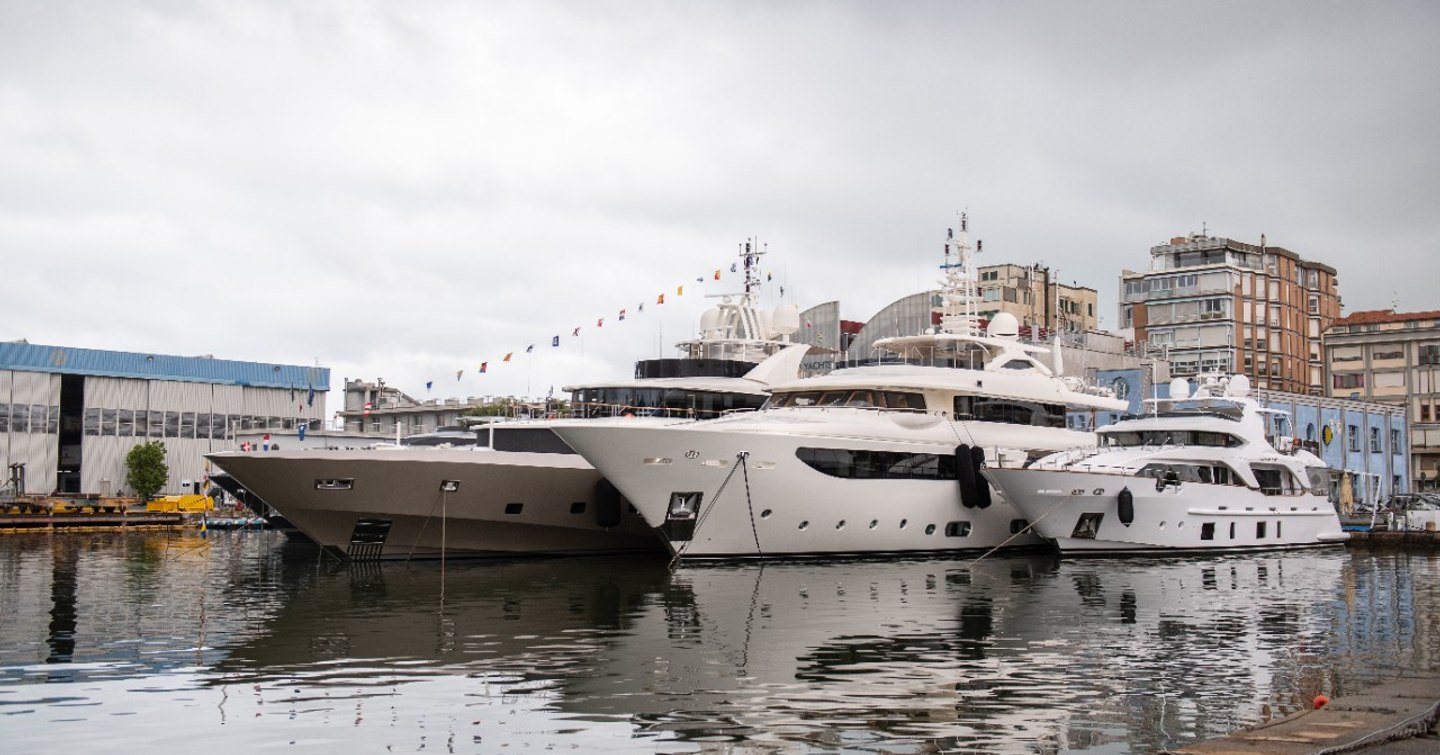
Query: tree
147	470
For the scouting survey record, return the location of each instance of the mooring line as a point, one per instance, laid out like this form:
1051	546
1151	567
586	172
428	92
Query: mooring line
705	510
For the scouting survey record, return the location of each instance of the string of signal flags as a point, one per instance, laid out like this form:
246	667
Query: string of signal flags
555	340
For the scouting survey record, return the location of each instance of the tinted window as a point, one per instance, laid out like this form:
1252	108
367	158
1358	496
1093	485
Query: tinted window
878	465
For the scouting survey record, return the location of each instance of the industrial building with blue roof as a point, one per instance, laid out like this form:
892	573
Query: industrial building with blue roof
68	416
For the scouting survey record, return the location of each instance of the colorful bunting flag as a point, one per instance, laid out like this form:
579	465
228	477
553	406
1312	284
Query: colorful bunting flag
529	348
508	354
679	290
575	333
458	373
732	267
660	299
622	314
600	323
717	275
483	367
555	341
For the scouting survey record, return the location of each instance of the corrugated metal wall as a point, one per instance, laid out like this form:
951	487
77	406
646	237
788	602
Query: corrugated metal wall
6	377
189	419
105	444
33	428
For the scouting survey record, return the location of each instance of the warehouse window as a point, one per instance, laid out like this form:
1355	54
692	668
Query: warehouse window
92	421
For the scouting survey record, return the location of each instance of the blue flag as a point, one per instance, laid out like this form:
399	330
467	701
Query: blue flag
529	348
555	341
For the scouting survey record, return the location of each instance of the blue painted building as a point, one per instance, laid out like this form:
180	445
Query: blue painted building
69	416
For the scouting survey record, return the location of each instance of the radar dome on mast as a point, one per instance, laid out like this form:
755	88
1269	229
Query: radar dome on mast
785	320
1004	325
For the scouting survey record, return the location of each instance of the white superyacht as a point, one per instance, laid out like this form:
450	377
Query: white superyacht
865	460
521	491
1210	472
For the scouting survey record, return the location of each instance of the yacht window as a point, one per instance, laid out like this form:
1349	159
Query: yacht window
832	398
807	398
864	464
1273	480
1010	411
1018	364
860	398
906	401
1168	438
1319	479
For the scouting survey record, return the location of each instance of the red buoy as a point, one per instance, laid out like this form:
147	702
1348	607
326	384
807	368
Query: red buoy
1321	701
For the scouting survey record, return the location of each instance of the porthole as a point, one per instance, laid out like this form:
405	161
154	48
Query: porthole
514	508
765	514
840	525
804	525
929	529
874	523
904	522
1180	525
1162	525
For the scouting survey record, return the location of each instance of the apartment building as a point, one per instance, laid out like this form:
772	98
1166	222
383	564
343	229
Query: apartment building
1221	305
1393	358
1036	299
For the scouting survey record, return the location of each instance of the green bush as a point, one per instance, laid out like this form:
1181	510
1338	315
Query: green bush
147	470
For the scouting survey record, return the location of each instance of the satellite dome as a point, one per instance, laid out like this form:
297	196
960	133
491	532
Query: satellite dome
1179	389
710	321
786	319
1004	325
1239	387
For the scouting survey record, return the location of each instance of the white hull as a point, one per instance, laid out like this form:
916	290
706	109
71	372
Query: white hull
1191	518
559	513
776	505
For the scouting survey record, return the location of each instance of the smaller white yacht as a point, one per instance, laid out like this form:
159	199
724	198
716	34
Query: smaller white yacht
1212	471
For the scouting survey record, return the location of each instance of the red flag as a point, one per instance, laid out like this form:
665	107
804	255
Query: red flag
660	299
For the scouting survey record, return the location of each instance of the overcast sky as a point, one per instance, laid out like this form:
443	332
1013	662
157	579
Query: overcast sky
405	190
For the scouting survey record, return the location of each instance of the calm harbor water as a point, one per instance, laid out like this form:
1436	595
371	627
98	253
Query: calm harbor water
167	642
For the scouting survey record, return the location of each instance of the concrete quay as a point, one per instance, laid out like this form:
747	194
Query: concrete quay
1397	718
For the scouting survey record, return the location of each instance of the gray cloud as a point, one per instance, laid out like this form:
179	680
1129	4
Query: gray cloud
407	190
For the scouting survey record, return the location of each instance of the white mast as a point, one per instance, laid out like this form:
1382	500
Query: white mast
958	289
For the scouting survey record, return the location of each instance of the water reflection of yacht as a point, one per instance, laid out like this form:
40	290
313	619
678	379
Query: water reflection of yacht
522	490
1208	472
1004	655
872	459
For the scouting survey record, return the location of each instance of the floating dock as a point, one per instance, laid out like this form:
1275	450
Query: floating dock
31	522
1397	538
1391	719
